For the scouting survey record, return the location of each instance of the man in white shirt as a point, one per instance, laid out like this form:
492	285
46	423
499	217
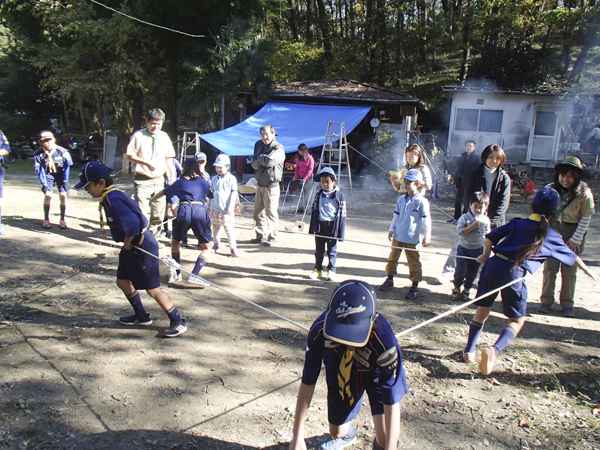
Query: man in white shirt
149	150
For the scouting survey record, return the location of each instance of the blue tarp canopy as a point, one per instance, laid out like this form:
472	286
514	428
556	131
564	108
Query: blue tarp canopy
294	123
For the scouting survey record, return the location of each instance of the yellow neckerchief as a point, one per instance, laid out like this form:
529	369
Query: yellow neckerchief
106	191
344	374
51	165
537	217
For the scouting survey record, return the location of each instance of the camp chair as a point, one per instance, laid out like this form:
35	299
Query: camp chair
246	195
293	186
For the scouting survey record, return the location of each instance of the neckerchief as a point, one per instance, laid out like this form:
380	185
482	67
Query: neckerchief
104	194
153	136
330	193
564	203
344	374
51	164
537	217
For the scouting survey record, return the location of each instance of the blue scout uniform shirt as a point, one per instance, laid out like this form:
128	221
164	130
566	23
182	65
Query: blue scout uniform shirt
522	231
411	213
328	207
62	161
190	190
379	362
123	216
223	188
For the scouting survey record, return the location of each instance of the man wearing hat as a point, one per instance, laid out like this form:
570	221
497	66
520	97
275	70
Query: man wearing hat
149	150
267	162
572	221
360	353
52	165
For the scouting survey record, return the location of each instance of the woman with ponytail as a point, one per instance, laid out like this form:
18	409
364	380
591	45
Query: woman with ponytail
520	246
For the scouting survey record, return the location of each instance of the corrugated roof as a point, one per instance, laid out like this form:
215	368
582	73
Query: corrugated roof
341	88
492	90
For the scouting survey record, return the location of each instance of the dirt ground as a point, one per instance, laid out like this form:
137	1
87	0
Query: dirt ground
72	377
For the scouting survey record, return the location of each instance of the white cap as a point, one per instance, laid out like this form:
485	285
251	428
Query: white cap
222	160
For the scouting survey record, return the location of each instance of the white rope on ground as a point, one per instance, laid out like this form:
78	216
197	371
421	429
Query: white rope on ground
457	308
387	172
360	242
171	263
148	23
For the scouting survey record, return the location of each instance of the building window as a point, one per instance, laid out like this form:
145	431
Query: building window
481	120
545	123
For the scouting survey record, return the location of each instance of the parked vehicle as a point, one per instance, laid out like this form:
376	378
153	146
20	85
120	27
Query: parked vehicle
82	153
21	150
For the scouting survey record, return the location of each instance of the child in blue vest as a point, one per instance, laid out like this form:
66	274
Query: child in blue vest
328	219
137	270
520	246
192	189
360	353
411	217
52	166
471	228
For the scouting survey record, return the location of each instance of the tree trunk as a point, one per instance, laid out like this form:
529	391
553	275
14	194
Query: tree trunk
310	21
293	20
324	25
590	40
137	113
466	54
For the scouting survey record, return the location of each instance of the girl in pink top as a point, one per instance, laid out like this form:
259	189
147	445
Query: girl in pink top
305	167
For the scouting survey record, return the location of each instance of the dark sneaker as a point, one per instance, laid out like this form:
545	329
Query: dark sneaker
464	296
175	329
455	294
452	221
544	308
135	320
387	284
412	293
257	240
339	443
270	243
568	312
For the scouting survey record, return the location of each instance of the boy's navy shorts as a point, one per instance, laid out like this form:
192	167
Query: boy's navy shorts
1	182
194	216
497	272
339	411
55	179
141	269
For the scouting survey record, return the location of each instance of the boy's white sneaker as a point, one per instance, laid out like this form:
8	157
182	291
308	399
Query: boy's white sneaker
316	273
331	275
195	279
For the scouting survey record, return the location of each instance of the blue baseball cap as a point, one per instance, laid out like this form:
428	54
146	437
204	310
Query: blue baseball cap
200	156
92	171
414	175
325	170
190	162
546	201
351	313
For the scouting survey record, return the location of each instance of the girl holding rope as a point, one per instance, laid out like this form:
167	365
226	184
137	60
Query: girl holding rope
519	246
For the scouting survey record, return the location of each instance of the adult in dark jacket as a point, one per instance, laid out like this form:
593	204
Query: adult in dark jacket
498	189
495	182
467	163
267	162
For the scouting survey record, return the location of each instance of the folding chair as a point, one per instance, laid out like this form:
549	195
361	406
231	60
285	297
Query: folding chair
246	195
293	185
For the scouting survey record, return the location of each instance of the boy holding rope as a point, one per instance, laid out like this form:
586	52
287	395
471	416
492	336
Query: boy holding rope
137	270
360	353
411	216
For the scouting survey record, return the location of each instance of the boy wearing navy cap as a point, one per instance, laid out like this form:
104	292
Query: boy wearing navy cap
328	219
137	270
360	353
411	216
52	165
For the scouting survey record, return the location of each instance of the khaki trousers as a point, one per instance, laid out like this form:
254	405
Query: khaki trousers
568	274
154	211
415	272
266	217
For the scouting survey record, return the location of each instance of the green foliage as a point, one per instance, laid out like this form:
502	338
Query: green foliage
294	61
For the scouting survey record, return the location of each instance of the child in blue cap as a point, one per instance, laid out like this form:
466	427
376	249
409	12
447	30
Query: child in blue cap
520	246
327	223
137	270
360	353
411	218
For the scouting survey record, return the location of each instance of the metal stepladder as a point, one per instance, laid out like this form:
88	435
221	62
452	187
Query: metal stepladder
335	155
190	145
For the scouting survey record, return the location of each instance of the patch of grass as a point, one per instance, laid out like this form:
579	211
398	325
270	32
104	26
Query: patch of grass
19	167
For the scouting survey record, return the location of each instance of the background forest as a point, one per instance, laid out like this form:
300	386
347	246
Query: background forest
67	63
